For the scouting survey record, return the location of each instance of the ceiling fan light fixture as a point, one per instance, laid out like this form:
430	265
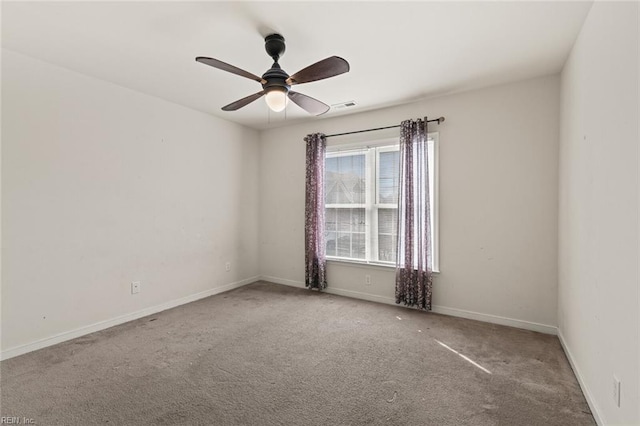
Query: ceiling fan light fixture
276	83
276	98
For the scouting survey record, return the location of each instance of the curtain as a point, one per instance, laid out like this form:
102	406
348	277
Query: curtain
413	262
314	238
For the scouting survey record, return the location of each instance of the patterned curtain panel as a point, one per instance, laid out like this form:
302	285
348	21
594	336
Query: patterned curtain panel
315	261
413	262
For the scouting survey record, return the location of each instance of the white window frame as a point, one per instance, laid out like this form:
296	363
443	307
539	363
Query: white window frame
366	206
376	205
371	204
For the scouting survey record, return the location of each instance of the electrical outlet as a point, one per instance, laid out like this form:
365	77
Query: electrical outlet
227	266
616	391
367	280
135	287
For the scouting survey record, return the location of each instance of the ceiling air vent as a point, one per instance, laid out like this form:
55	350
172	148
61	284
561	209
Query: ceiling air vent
343	105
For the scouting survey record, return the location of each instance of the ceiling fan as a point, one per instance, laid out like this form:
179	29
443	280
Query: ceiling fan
276	83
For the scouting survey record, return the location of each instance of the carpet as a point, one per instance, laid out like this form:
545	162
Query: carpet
266	354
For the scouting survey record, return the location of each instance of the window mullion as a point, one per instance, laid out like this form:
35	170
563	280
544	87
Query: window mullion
372	232
351	231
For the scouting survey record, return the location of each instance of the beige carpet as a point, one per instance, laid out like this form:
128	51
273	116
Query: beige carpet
267	354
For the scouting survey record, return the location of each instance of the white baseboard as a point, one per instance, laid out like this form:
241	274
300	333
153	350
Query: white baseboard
576	371
494	319
283	281
68	335
332	290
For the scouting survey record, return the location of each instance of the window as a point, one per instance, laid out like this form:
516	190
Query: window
361	202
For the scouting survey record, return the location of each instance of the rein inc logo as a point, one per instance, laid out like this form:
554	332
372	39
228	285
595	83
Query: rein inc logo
16	420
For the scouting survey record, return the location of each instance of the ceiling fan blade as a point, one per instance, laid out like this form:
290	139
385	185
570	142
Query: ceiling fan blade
233	106
229	68
307	103
326	68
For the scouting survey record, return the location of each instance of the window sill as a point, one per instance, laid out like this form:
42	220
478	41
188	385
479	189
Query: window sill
355	263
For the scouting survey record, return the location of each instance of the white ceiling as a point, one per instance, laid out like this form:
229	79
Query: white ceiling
398	52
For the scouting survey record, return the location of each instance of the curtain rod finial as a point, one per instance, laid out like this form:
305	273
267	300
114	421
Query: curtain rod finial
440	120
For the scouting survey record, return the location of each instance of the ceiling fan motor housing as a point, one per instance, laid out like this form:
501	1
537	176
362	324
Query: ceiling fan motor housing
275	77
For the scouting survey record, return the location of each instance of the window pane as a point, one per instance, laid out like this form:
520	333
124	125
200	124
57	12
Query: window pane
387	221
331	243
359	250
387	234
330	220
344	244
345	179
358	220
387	248
388	170
350	239
344	220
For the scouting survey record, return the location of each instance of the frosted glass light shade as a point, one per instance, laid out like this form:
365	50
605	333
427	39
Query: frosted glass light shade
276	98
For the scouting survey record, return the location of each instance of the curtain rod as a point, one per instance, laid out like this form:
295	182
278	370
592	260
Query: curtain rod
439	120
